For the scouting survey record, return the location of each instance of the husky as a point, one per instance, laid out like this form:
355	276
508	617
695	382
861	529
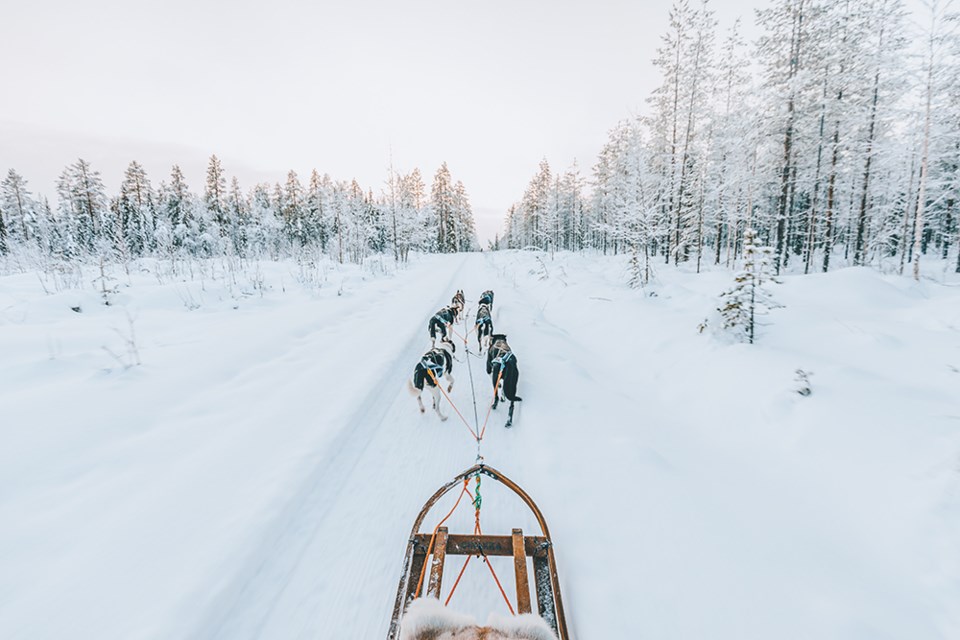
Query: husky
440	324
434	365
484	327
502	367
458	300
487	298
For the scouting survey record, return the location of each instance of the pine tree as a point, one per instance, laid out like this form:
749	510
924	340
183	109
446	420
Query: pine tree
214	194
17	211
135	211
443	206
83	205
238	215
177	212
466	232
748	297
291	199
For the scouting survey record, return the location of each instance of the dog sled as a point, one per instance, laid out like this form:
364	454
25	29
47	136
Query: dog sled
417	581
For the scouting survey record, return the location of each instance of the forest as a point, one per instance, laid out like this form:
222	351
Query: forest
835	136
337	219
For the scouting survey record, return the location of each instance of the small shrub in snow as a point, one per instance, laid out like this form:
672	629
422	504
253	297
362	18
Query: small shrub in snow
108	286
542	273
803	382
131	353
748	297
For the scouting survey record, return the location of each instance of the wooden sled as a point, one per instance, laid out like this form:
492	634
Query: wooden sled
540	548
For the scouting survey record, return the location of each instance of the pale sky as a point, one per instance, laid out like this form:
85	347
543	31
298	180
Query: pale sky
489	87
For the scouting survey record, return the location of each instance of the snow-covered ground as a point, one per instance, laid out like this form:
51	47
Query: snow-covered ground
257	474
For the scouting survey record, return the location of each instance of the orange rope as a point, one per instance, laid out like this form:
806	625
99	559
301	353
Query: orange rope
476	528
497	580
496	388
457	581
479	532
439	386
423	571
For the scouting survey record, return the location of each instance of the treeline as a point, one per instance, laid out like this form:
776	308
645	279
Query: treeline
337	218
835	136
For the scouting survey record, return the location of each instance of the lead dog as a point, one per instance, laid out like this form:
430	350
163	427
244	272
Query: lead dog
458	300
434	365
484	326
441	323
502	367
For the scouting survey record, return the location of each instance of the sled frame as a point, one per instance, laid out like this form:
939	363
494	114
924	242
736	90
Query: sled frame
539	548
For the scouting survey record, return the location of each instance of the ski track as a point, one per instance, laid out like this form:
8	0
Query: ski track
244	606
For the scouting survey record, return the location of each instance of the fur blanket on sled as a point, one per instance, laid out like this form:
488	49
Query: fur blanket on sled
427	619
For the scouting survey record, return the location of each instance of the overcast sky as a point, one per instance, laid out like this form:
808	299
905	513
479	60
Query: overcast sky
489	87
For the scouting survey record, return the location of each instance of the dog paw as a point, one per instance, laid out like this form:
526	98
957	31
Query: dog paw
449	388
443	418
422	410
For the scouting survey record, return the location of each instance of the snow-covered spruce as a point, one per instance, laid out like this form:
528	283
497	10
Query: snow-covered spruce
748	297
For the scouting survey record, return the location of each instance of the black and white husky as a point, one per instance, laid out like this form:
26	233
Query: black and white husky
458	300
441	323
487	298
502	367
434	367
484	326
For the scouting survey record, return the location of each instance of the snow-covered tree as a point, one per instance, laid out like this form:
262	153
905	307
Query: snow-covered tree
215	194
83	206
135	209
18	211
749	298
178	213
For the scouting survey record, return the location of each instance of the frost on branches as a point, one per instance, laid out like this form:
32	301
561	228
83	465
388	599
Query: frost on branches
748	298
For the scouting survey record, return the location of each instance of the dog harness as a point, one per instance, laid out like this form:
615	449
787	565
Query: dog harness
484	319
430	365
503	358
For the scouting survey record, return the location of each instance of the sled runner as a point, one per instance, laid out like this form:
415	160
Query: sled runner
440	544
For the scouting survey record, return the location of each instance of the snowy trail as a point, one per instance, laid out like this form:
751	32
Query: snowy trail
336	562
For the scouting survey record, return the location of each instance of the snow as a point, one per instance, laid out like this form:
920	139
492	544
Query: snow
257	475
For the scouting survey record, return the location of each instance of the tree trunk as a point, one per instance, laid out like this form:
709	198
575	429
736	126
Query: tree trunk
786	171
831	191
860	250
924	161
905	234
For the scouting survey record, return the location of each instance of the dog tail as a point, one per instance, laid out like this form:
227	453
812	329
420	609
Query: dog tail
413	389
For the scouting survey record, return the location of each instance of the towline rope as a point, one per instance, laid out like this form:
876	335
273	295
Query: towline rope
477	434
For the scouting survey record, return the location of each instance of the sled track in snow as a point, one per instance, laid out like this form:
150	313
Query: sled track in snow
243	607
